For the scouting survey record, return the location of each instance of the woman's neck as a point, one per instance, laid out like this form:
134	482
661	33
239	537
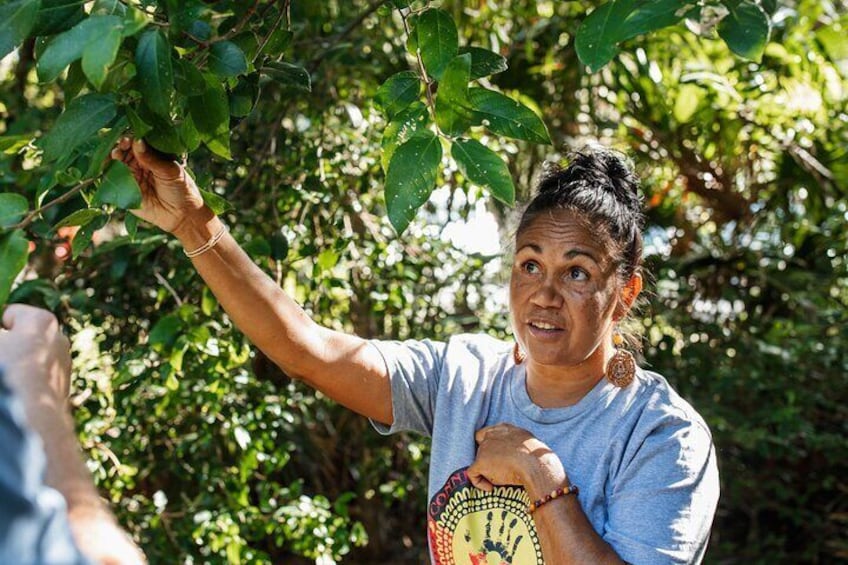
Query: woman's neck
551	386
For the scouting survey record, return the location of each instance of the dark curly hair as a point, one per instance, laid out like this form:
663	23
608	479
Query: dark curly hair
600	186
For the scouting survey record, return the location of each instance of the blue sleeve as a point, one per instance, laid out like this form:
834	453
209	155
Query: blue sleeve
414	369
663	502
33	522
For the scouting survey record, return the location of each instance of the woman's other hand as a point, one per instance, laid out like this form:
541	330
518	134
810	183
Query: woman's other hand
509	455
170	198
102	540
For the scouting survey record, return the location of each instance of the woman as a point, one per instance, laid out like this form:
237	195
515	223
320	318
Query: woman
556	450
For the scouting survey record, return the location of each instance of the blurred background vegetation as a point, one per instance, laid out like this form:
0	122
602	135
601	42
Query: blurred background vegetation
209	454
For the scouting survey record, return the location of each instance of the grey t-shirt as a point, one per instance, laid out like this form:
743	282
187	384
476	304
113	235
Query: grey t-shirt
642	457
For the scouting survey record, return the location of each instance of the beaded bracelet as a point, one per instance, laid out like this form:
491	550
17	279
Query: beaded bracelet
556	493
209	244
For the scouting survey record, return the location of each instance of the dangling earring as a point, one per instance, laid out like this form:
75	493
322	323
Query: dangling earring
518	355
622	367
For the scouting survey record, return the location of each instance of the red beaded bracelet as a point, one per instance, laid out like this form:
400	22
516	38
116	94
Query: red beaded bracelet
556	493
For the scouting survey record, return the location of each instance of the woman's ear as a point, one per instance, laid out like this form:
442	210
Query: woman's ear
628	295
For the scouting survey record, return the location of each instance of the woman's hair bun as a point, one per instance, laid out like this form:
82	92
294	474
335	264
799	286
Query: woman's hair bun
606	169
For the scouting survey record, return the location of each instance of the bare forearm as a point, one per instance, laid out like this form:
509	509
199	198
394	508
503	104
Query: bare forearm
340	365
567	537
65	470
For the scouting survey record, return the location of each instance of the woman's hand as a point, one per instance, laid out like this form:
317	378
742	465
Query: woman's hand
509	455
169	195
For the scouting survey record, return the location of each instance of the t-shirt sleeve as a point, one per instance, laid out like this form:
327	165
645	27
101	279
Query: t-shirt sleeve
414	369
663	501
33	522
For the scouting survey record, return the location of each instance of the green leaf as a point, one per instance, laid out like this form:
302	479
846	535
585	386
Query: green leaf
79	218
399	91
211	115
485	168
746	30
188	79
453	107
137	124
16	21
100	154
13	207
411	177
226	59
83	237
155	71
131	224
11	144
288	74
14	250
119	188
165	331
99	55
437	39
484	62
279	246
216	203
600	33
56	16
277	43
504	116
401	128
244	96
69	46
688	99
83	118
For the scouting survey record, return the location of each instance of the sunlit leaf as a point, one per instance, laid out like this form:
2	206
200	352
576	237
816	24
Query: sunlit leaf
70	45
83	118
505	116
411	177
13	207
401	128
746	29
16	21
119	188
79	218
14	249
437	40
484	62
155	71
99	55
226	59
399	91
453	107
485	168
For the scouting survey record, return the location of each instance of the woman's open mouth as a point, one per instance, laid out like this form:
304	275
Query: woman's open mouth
544	330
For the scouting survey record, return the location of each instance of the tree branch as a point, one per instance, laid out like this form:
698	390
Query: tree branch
31	217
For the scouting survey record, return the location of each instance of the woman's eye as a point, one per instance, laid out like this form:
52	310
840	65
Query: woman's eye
530	267
578	274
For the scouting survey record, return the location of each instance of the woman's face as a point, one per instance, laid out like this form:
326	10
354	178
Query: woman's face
564	290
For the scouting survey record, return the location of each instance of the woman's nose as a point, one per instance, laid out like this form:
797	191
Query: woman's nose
547	296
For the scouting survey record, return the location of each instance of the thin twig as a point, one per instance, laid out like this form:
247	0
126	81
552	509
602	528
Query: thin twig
241	23
271	31
30	218
427	82
164	282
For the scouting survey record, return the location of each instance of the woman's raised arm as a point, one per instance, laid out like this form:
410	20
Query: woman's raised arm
344	367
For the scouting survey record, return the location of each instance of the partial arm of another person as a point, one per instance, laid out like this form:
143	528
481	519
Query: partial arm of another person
342	366
35	359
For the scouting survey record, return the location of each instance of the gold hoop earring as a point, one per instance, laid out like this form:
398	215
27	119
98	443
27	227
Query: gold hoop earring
621	368
518	355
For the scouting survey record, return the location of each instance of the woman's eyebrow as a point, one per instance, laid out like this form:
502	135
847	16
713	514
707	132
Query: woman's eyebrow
571	254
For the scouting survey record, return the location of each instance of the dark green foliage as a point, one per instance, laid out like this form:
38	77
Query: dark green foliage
209	453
